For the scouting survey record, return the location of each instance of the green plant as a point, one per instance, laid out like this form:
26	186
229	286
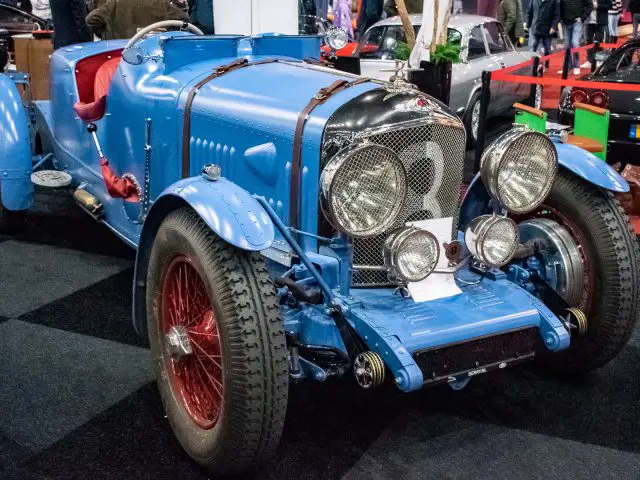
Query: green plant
448	52
402	51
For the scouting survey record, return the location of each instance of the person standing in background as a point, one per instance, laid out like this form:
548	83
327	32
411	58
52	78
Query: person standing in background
69	24
510	15
122	18
322	8
573	13
201	12
370	13
413	6
598	19
542	17
41	9
614	17
634	8
342	17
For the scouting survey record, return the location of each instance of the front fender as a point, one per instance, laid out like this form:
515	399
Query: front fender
589	167
231	212
16	189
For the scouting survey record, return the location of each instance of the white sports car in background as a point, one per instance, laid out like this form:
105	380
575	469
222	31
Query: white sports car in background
485	46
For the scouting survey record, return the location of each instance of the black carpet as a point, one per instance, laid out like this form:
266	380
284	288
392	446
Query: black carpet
77	399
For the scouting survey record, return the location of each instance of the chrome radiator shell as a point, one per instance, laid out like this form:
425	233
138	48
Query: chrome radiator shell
431	145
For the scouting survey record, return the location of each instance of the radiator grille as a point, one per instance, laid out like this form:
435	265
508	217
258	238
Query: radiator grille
433	156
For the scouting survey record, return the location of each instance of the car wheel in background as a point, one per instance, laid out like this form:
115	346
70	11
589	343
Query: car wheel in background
610	257
471	120
538	97
217	344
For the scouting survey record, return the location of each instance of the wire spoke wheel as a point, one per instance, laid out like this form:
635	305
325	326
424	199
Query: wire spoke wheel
217	344
193	349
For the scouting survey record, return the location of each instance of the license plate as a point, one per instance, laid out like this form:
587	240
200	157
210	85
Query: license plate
634	131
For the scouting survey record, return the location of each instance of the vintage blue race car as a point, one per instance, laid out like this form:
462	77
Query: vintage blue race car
292	221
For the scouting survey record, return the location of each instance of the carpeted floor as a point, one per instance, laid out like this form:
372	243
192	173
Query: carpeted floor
77	399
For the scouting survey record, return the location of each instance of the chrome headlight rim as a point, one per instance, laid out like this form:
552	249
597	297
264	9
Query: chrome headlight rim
393	247
334	168
494	158
476	236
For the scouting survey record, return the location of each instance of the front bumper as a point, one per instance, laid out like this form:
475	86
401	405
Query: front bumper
403	332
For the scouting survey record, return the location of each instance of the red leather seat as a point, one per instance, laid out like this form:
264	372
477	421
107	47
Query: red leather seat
92	111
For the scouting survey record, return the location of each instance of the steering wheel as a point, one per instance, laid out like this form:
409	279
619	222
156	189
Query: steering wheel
164	24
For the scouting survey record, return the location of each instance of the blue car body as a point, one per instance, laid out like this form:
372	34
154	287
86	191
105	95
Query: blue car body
245	122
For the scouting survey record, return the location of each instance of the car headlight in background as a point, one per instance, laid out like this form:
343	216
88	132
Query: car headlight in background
363	190
492	239
519	169
410	254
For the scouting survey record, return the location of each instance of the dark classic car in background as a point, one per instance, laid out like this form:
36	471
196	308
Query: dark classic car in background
621	66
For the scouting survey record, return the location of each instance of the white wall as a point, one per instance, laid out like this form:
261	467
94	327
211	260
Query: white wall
251	17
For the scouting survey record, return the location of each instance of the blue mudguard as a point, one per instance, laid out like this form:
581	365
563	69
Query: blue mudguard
586	165
16	189
575	159
231	212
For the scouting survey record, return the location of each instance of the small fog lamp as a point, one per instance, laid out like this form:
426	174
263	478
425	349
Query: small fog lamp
410	254
492	240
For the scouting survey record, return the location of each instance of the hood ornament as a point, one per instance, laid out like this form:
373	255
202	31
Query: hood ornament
398	82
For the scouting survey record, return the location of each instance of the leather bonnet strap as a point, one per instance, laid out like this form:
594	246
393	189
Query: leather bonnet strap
186	130
318	99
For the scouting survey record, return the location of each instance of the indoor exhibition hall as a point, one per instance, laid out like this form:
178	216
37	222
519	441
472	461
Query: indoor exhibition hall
319	239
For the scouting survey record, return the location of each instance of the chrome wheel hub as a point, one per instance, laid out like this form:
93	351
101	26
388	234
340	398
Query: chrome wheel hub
561	259
475	119
177	342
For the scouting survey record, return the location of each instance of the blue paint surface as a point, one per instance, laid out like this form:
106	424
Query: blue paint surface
244	121
16	189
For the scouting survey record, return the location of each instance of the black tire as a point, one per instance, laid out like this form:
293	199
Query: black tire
466	119
253	353
611	250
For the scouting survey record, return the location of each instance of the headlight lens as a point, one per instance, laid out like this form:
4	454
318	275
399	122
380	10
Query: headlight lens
410	254
363	190
492	240
337	38
519	169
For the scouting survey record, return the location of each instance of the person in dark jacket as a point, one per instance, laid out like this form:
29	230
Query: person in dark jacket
122	18
597	23
413	6
543	18
573	14
68	22
201	12
510	15
613	19
370	13
634	8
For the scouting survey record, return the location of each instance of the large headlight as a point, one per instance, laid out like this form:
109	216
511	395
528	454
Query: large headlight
492	240
363	190
519	169
410	254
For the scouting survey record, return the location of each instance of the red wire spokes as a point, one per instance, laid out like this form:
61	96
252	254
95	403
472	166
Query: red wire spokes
187	309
